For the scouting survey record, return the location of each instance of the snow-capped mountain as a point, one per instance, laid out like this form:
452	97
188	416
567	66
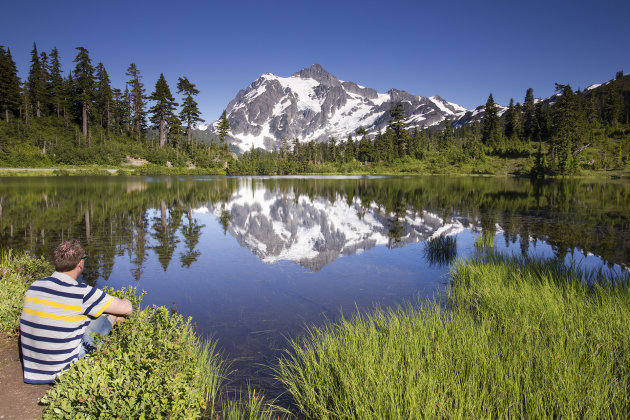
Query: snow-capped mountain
277	225
312	104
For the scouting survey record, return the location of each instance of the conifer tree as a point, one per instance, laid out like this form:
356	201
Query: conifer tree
223	130
398	127
103	100
9	85
137	100
190	111
446	139
491	131
37	90
613	108
57	96
164	109
528	114
567	129
84	85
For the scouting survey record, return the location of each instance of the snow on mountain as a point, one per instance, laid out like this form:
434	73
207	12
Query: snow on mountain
277	225
312	104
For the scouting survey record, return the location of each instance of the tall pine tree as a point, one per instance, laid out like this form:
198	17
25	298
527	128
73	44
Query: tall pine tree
136	100
190	111
103	99
56	88
491	135
9	85
84	85
223	130
37	76
164	109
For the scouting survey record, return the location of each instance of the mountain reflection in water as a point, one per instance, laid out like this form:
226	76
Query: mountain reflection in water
254	260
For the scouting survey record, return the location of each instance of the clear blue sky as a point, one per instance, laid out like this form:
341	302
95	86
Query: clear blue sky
461	50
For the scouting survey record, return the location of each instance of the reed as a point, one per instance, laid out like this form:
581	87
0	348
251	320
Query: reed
521	338
441	250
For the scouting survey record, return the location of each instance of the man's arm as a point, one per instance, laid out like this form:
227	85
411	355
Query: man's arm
119	307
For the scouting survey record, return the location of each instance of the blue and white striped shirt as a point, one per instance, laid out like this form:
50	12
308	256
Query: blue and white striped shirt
55	312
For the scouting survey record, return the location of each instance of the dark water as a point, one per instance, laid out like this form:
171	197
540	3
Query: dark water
254	260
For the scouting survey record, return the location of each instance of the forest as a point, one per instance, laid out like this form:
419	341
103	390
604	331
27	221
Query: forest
78	119
50	119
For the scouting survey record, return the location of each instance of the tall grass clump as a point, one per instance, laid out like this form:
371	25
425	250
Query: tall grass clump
484	240
441	250
251	406
521	338
17	272
150	366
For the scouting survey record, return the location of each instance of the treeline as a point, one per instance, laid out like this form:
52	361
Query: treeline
82	118
571	131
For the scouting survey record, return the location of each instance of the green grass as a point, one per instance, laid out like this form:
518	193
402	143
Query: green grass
484	240
522	339
441	250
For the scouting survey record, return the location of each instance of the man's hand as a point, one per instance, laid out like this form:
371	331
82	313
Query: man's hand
119	307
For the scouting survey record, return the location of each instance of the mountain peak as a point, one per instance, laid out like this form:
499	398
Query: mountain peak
317	73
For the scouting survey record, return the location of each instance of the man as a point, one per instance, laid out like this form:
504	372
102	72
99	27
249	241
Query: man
60	316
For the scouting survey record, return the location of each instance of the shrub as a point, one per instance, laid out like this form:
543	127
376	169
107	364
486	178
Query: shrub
17	272
150	366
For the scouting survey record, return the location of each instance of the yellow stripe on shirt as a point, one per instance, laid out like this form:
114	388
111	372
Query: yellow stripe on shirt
53	304
109	302
54	316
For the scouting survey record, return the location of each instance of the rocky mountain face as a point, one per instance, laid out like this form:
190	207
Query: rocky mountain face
313	104
278	225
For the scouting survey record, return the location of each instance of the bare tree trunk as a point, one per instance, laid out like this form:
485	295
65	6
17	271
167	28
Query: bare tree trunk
188	130
84	118
6	115
39	113
162	133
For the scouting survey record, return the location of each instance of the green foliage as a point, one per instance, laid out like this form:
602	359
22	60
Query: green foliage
17	272
249	407
484	240
523	339
150	366
441	250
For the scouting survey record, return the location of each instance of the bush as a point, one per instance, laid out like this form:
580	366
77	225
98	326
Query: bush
150	366
16	275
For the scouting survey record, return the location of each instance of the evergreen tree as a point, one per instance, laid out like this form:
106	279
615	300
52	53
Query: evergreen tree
613	108
103	100
163	111
57	92
9	85
529	114
37	89
223	130
136	100
350	150
84	85
491	130
446	140
190	113
567	129
398	127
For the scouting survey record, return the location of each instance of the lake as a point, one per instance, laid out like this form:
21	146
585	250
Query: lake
254	260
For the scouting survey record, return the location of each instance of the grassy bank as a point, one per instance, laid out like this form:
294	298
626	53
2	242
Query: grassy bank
146	170
521	339
150	366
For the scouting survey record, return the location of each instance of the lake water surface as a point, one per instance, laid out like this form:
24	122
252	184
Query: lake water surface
255	260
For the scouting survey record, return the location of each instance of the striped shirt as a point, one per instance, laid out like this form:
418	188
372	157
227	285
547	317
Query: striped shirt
55	312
